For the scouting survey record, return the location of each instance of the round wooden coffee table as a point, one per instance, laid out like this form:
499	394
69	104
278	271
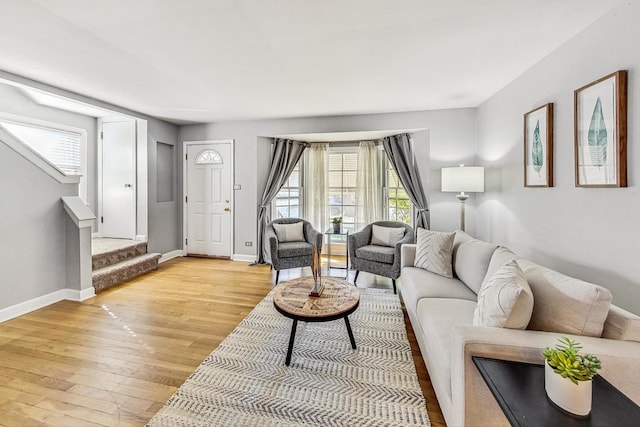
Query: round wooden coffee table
338	300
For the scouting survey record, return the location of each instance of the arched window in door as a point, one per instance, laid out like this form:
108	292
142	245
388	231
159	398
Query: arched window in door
209	157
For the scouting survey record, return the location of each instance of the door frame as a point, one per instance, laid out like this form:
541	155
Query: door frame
140	179
185	188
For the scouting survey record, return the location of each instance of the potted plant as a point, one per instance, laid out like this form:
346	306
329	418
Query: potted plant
568	375
337	222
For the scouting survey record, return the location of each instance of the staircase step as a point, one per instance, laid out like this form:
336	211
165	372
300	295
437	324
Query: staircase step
115	274
116	256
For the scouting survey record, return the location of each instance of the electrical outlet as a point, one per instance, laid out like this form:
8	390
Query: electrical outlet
248	243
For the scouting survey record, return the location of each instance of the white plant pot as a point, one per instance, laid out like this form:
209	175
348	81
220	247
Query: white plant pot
575	399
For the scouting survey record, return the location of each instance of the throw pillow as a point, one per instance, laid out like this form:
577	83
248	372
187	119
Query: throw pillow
386	236
434	252
289	232
505	300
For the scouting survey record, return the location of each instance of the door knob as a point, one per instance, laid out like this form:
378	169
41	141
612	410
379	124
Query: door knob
227	209
127	186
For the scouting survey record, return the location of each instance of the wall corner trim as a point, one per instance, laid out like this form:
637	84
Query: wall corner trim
171	255
243	258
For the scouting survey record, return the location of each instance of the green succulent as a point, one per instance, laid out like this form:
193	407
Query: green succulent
336	219
566	362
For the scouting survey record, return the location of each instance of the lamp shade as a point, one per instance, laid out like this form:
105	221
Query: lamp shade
463	178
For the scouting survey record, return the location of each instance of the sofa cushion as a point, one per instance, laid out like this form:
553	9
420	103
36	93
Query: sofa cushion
434	252
500	257
472	261
461	236
564	304
289	232
417	283
621	325
386	236
505	300
294	249
437	317
376	253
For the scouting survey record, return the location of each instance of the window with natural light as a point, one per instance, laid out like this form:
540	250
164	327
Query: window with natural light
343	169
62	146
397	203
288	201
342	200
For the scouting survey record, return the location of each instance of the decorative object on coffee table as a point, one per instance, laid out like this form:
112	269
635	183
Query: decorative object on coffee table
538	147
338	300
317	274
568	376
600	132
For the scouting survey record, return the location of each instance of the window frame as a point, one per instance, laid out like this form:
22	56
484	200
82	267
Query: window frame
351	149
286	187
37	123
387	189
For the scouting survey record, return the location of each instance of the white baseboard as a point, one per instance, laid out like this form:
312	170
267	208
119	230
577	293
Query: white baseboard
172	255
141	238
45	300
243	258
95	235
75	295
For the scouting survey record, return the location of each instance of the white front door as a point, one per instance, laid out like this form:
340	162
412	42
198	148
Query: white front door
209	199
119	179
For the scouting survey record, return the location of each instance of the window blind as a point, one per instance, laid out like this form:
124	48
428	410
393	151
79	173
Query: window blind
61	148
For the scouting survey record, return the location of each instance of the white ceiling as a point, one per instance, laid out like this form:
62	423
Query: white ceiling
213	60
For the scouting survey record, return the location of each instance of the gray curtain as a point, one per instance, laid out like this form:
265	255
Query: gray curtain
400	154
284	157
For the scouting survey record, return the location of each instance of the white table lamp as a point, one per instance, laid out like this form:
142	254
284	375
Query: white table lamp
468	179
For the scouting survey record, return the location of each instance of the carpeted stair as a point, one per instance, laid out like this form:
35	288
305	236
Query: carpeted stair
116	266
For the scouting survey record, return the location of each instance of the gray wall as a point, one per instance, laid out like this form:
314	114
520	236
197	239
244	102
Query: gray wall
32	226
165	227
14	101
590	233
450	139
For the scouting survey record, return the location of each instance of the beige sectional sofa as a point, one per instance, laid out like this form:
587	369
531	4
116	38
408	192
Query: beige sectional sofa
441	311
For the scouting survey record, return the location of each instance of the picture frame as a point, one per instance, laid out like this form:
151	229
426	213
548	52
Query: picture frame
538	147
600	132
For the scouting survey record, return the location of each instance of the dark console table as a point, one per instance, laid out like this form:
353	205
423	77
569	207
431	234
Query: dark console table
519	390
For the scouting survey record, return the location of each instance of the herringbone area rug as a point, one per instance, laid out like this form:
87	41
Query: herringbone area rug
244	382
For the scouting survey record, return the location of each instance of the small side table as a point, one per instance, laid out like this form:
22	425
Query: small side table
338	300
519	390
331	232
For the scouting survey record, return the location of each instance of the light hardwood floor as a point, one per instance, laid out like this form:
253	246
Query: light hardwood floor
116	358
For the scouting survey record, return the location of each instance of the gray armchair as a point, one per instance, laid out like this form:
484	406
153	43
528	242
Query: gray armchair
380	260
283	255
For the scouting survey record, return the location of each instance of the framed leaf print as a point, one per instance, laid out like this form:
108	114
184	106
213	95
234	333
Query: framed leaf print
538	147
600	132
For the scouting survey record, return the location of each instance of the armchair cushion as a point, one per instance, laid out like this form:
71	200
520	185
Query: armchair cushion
376	253
294	249
289	232
386	236
434	252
